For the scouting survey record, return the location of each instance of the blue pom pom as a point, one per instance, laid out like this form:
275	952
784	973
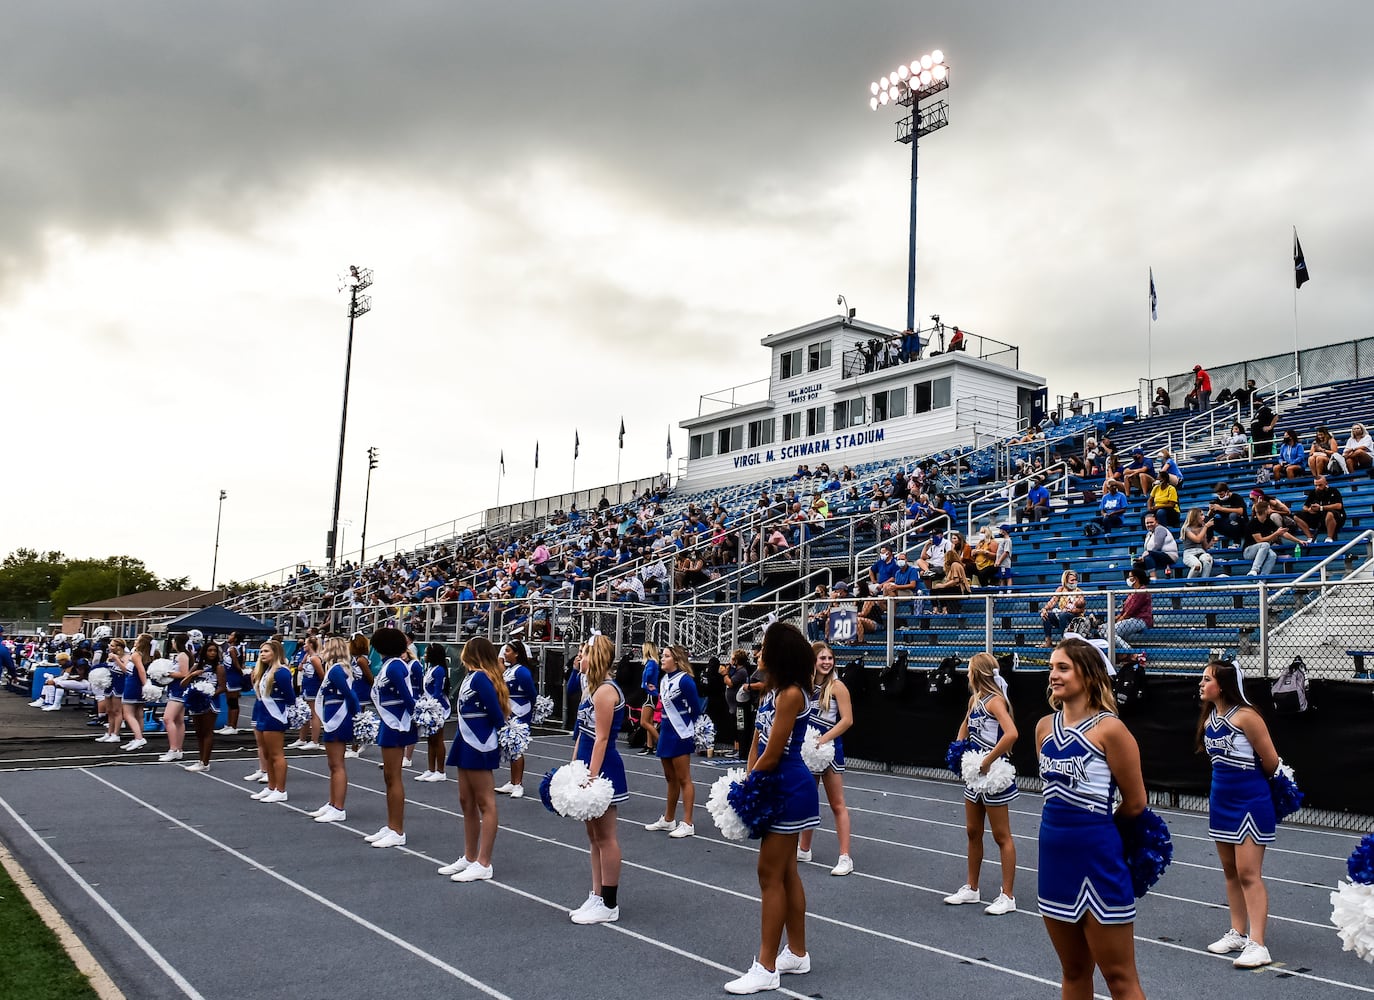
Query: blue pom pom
758	801
544	795
1148	848
1286	794
1361	862
954	756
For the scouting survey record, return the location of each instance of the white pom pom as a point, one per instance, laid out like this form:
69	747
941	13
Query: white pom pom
998	779
1287	771
298	714
160	672
365	728
577	795
153	693
704	734
817	756
1352	911
543	708
205	684
513	738
429	716
100	681
718	805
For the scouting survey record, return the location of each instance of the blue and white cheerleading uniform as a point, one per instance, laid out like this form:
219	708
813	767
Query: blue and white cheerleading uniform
984	733
133	687
395	705
311	677
176	691
825	718
362	687
522	693
479	718
801	808
336	705
196	702
1242	807
117	676
234	679
1082	860
275	694
681	704
436	686
612	767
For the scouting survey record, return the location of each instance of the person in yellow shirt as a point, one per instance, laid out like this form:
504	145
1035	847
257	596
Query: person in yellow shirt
1163	503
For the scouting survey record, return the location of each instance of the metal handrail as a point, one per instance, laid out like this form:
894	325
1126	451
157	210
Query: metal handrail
1365	538
1211	417
1062	479
861	556
1277	385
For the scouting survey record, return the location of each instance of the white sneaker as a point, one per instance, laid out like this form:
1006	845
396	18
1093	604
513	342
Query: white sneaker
591	900
390	839
36	703
254	776
297	745
197	766
311	745
331	815
456	867
372	838
275	796
176	755
351	755
167	758
108	738
320	811
1232	940
683	830
1002	904
661	824
438	776
756	980
518	792
787	962
844	866
596	912
964	895
407	763
134	745
423	775
473	873
263	779
1254	956
803	855
52	708
227	731
261	794
504	789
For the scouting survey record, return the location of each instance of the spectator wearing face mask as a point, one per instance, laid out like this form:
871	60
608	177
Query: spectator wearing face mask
882	571
905	582
931	564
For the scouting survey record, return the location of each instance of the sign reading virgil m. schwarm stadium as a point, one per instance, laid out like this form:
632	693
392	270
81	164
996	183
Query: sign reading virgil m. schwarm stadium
831	400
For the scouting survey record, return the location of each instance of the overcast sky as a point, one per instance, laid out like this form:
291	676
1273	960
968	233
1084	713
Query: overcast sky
582	211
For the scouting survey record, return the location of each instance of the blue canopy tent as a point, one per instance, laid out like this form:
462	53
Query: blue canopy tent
219	620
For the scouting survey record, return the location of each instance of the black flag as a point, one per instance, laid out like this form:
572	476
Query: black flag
577	445
622	432
1300	274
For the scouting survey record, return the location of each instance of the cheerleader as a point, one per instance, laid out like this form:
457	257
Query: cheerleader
415	673
649	685
435	684
276	692
833	715
174	715
1086	896
311	674
677	740
988	726
395	705
336	705
483	707
789	664
1241	818
520	681
132	703
234	682
600	716
117	662
209	663
360	668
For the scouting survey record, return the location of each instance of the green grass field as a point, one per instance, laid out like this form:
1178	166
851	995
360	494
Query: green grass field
33	966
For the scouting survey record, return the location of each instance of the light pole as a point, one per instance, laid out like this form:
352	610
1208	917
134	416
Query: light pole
214	570
358	279
908	87
367	497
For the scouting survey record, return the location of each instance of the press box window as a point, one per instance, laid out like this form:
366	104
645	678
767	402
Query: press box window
730	439
818	356
760	433
790	365
889	404
815	421
701	446
791	426
849	413
932	395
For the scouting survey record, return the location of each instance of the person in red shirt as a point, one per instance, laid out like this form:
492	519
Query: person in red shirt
1137	613
1201	396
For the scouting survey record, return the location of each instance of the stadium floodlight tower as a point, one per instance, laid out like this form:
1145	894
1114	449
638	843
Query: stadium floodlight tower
908	86
357	279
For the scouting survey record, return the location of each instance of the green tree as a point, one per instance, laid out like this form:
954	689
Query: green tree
27	575
87	580
175	583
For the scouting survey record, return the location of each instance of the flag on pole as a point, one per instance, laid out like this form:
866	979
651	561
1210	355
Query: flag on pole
622	432
503	461
577	444
1154	302
670	444
536	454
1300	274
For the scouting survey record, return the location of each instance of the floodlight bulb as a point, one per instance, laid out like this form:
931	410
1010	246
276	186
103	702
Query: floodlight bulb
873	88
882	98
873	103
937	57
884	83
927	62
939	72
926	77
903	72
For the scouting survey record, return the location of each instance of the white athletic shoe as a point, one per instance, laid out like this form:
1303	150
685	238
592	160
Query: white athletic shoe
1254	956
321	810
1002	904
297	745
52	708
407	763
275	796
787	962
36	703
331	815
423	775
756	980
965	894
1232	940
372	838
263	780
196	766
167	758
351	755
473	873
254	776
591	900
661	824
176	755
391	839
438	776
311	745
844	866
504	789
597	913
227	731
518	792
683	830
134	745
803	855
108	738
456	867
261	794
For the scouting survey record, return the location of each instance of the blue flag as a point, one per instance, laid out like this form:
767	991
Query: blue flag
1154	302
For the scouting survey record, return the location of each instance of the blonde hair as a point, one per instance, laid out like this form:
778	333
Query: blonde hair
1064	578
143	646
1092	668
117	645
982	680
600	652
683	659
335	650
826	694
480	654
649	651
278	659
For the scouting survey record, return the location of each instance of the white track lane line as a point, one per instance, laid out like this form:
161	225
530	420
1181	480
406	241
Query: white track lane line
170	970
456	973
871	932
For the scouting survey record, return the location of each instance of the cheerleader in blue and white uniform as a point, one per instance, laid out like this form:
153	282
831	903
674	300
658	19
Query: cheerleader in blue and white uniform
520	681
677	693
789	664
434	681
276	692
311	675
989	727
336	705
395	705
117	662
360	669
600	716
135	677
832	716
1241	818
482	709
1087	755
209	664
174	715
